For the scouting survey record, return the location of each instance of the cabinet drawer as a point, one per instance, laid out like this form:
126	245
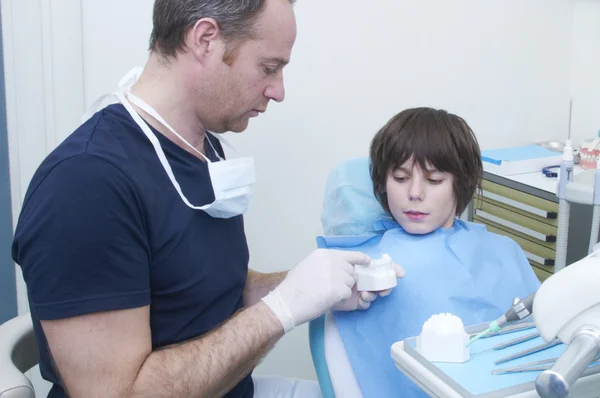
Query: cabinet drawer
520	200
479	201
517	234
533	228
533	250
508	223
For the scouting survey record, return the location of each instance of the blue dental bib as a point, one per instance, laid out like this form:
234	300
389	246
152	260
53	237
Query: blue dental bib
463	270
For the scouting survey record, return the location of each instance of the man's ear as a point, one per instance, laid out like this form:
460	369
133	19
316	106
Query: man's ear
204	38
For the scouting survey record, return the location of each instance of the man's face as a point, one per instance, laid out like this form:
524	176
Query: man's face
421	201
243	89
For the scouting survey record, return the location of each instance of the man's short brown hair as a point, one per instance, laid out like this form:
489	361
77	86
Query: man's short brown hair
430	137
173	18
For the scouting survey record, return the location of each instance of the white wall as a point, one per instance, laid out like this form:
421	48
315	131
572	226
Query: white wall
507	67
585	71
43	97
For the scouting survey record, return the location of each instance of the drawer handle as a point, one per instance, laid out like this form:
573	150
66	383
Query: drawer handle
538	259
516	227
519	205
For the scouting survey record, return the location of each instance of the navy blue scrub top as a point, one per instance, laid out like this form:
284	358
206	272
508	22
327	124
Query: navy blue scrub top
102	228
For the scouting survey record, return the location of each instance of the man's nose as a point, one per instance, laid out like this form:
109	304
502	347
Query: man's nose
276	90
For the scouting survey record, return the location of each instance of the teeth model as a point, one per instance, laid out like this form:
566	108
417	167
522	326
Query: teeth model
377	276
589	153
443	339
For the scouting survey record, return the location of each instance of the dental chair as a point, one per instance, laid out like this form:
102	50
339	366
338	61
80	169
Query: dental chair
334	372
350	209
18	354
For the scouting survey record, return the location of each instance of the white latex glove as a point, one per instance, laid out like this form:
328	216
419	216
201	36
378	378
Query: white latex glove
363	300
315	285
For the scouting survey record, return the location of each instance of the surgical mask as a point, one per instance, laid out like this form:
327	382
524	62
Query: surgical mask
231	179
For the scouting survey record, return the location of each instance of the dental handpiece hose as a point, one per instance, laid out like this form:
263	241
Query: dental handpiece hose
520	310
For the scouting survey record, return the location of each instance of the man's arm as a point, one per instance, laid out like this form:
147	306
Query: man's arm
258	285
109	354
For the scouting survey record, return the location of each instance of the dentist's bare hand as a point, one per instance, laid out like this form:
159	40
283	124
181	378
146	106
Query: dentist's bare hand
319	282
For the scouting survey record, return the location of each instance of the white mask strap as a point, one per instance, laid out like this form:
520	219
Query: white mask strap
223	141
211	144
149	110
130	78
159	151
125	83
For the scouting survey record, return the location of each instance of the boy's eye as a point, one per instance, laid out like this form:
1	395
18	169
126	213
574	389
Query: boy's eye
399	179
434	181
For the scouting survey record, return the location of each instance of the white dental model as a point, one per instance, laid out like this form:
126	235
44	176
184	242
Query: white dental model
377	276
443	339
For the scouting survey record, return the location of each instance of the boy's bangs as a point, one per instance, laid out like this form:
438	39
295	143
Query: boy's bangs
427	145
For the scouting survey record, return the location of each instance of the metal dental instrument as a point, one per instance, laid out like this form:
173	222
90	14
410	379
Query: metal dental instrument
528	351
540	365
519	310
516	341
527	367
510	329
510	343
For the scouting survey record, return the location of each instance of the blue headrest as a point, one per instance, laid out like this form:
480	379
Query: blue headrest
349	205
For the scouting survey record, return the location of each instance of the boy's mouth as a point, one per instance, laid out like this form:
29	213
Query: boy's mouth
415	215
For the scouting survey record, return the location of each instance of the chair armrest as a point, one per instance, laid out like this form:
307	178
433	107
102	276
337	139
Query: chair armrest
18	354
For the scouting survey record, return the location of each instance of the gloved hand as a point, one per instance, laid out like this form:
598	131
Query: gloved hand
320	281
362	300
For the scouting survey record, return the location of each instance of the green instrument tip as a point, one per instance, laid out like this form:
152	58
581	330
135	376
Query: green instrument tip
480	335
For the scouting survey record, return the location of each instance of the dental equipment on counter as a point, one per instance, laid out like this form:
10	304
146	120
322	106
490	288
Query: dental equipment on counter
520	310
528	351
518	340
566	312
512	328
527	367
583	188
567	307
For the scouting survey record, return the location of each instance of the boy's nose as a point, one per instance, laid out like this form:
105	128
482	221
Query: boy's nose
416	191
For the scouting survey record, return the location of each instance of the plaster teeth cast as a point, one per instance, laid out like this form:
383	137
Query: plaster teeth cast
443	339
377	276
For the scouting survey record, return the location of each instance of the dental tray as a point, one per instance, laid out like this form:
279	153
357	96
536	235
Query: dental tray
474	378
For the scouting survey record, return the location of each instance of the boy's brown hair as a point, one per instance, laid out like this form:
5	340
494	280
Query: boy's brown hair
430	137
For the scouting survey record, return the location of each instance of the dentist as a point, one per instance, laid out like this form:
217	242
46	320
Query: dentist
131	236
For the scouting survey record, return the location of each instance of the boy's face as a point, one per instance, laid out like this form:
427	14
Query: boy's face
421	201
